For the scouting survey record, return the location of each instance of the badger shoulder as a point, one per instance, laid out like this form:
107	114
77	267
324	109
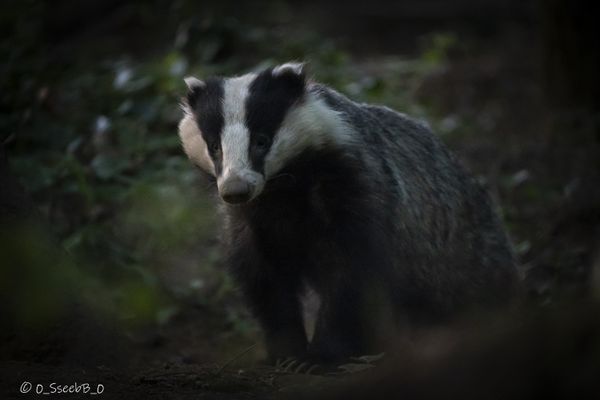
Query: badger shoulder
371	121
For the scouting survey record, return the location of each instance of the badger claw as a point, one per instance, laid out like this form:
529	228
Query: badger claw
300	367
282	362
295	366
288	367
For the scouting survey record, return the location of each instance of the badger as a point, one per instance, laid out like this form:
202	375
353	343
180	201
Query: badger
357	203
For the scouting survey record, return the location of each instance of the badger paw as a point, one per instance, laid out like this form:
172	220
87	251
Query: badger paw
293	365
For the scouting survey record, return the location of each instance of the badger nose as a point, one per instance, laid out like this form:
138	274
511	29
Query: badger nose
236	190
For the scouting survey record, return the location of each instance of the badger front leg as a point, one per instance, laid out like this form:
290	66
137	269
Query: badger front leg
277	308
356	313
274	301
340	331
350	319
354	320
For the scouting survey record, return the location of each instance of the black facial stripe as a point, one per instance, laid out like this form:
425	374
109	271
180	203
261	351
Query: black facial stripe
268	101
207	105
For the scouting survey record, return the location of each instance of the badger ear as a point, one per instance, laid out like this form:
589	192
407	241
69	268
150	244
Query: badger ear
297	69
194	83
195	88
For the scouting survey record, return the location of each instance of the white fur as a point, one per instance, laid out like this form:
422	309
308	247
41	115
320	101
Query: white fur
296	68
311	124
193	143
311	303
193	83
235	138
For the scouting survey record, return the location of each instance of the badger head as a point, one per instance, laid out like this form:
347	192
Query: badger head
243	130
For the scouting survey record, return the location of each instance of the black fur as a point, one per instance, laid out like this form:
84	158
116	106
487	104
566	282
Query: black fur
269	99
206	103
389	230
314	225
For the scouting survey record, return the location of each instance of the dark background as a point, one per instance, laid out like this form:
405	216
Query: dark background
109	266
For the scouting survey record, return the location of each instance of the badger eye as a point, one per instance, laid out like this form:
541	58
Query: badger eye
262	142
215	147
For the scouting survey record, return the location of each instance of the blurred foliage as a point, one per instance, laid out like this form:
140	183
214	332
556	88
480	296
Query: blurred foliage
95	144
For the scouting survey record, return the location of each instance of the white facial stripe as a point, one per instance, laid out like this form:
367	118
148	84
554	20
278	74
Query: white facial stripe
235	138
193	144
312	124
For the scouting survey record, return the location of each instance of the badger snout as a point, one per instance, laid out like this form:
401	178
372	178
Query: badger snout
236	190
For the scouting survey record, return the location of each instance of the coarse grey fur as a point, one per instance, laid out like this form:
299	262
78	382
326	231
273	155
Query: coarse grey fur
444	223
361	204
